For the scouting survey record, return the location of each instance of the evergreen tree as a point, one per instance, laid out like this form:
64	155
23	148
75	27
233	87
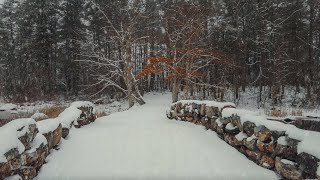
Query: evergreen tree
8	57
71	38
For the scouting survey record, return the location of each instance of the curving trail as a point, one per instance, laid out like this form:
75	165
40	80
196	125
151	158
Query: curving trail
142	143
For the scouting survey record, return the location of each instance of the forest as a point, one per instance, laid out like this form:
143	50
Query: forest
198	49
159	89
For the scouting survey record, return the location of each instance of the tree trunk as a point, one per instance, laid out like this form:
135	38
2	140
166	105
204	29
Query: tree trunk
133	91
175	83
175	90
310	58
138	96
186	90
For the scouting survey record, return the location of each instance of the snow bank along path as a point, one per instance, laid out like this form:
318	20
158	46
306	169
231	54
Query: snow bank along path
142	143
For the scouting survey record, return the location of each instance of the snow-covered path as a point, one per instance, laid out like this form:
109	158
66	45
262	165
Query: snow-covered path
143	144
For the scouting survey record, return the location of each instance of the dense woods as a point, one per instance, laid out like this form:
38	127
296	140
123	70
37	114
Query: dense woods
202	48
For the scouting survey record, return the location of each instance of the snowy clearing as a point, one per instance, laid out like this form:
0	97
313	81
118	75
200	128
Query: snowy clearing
142	143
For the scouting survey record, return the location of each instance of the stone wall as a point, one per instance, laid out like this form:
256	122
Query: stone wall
35	140
308	124
268	148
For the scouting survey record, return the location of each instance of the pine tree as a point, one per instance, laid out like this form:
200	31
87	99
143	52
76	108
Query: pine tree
8	46
72	29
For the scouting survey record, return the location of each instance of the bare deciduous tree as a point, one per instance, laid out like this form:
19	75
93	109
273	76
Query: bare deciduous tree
116	70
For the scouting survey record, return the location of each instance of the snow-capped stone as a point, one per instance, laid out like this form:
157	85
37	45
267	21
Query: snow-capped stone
37	142
39	150
282	140
241	136
69	116
251	142
48	125
219	123
83	104
232	140
52	130
231	129
286	161
253	137
16	137
39	116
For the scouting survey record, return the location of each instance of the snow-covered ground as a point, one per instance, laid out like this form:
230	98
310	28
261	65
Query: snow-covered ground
142	143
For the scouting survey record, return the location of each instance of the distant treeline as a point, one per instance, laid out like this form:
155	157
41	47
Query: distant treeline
99	47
